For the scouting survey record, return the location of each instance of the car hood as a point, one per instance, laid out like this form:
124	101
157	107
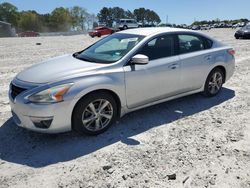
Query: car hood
56	69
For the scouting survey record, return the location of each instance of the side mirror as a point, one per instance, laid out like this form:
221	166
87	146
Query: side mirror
140	59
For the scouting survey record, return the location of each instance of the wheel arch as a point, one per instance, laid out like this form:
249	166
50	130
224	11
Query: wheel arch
223	69
112	93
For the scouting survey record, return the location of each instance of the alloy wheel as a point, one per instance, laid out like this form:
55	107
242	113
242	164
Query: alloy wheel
97	115
215	83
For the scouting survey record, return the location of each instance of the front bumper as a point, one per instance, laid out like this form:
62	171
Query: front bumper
29	115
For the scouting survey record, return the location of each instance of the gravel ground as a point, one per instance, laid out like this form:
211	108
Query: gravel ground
189	142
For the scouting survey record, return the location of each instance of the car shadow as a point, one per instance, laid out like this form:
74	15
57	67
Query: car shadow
36	150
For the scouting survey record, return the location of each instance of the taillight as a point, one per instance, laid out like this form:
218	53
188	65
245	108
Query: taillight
231	52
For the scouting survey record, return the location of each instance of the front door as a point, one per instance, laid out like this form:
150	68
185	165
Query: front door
159	79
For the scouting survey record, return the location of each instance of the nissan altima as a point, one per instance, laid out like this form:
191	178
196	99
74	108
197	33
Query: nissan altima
89	90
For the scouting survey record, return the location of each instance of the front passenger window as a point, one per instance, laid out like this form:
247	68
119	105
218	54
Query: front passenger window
159	47
190	43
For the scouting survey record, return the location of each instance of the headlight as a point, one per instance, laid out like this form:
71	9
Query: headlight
51	95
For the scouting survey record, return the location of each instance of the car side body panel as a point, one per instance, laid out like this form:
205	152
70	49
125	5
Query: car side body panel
137	86
154	81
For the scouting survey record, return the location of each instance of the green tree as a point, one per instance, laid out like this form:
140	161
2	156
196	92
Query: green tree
105	16
9	13
154	18
95	24
140	15
146	16
129	14
29	20
117	13
78	16
60	19
45	22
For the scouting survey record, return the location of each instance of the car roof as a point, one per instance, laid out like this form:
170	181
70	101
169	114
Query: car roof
154	30
126	19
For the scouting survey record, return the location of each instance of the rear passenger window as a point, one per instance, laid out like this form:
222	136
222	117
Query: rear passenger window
190	43
159	47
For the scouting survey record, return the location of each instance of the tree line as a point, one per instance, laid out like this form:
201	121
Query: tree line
77	18
60	19
217	21
141	15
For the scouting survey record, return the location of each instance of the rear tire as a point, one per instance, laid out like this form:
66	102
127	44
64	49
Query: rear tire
94	113
214	83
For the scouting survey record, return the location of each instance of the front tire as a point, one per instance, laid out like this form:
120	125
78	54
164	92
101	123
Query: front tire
214	82
94	113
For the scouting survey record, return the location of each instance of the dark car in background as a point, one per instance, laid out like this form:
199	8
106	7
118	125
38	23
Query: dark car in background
244	32
29	34
99	31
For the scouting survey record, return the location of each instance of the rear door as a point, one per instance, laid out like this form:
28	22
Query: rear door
129	23
195	58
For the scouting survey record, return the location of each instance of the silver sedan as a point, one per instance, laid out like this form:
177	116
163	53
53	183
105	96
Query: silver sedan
89	90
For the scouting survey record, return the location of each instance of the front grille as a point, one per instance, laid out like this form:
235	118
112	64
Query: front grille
15	90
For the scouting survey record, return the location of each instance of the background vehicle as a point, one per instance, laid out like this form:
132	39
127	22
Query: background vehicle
196	27
99	31
126	24
244	33
6	30
235	26
205	27
126	71
29	34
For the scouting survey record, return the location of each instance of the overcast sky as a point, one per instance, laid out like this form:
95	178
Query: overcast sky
178	11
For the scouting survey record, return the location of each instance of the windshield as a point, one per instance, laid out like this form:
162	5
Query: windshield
110	49
247	27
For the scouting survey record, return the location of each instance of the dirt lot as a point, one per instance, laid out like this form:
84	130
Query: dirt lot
189	142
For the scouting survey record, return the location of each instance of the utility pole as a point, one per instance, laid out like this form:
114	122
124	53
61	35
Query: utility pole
167	20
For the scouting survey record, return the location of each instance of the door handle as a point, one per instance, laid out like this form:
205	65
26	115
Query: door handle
173	66
208	57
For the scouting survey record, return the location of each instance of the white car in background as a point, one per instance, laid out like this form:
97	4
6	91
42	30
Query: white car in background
127	24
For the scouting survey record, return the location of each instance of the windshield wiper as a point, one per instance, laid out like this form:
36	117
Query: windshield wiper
76	55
